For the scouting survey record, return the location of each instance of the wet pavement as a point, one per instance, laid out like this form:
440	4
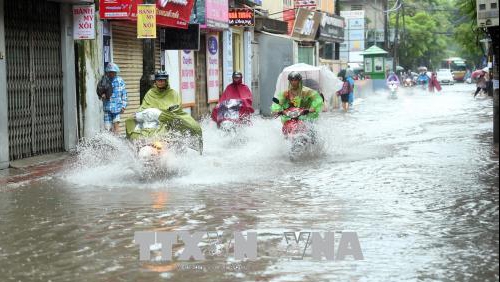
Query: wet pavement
415	178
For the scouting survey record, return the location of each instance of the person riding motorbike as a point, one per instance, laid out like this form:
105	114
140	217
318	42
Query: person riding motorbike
239	92
166	104
423	79
392	78
408	82
298	96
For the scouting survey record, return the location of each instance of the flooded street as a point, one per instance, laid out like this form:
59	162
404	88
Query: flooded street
415	178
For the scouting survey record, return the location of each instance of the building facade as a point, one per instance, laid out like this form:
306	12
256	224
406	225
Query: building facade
37	71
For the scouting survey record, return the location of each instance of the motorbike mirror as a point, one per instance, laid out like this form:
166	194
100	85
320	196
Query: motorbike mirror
275	100
173	108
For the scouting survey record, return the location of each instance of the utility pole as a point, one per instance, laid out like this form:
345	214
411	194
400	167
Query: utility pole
337	45
494	33
403	37
396	35
386	25
148	62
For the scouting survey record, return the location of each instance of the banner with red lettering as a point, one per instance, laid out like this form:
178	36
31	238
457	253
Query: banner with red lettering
146	21
83	22
169	13
174	13
114	9
188	79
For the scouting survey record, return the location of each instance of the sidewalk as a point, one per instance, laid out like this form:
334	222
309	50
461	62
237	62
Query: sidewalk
32	168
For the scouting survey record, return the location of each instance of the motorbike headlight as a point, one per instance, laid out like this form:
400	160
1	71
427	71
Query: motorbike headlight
158	145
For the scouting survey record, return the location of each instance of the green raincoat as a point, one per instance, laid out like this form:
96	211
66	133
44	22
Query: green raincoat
308	98
176	120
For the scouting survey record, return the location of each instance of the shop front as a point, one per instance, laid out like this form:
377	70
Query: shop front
212	16
304	33
130	52
37	80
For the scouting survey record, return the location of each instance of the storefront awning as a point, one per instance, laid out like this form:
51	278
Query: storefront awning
271	25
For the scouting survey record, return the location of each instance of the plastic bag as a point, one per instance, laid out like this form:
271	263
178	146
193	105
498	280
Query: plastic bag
105	87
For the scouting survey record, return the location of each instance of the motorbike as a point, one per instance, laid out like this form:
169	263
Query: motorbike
150	149
154	146
423	81
393	88
408	82
228	115
300	134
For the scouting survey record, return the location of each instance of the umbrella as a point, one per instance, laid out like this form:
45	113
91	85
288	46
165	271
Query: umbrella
318	78
477	73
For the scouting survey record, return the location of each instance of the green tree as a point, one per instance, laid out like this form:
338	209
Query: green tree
437	29
424	35
467	34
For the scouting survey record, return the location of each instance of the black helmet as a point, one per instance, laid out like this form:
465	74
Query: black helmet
341	73
294	76
237	74
161	75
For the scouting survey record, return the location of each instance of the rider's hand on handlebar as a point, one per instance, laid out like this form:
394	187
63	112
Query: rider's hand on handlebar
277	114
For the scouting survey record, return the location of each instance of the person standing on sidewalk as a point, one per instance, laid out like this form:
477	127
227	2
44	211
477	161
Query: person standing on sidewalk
117	103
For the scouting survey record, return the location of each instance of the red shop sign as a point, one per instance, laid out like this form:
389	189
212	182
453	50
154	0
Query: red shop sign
169	13
114	9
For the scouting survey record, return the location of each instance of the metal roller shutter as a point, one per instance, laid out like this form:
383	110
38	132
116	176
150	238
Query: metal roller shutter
34	78
127	53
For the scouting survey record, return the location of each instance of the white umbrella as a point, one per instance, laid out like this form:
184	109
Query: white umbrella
319	78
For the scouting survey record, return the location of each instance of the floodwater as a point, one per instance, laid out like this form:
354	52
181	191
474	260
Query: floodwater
415	179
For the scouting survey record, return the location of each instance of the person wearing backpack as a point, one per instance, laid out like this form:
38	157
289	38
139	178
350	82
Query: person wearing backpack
115	104
344	92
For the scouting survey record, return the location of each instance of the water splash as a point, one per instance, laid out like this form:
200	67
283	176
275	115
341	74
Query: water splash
254	152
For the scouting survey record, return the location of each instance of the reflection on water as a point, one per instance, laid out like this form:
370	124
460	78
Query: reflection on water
414	177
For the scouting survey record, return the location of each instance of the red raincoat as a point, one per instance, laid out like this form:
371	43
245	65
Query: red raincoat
236	91
433	82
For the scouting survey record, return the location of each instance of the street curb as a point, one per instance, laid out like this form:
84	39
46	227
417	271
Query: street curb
30	169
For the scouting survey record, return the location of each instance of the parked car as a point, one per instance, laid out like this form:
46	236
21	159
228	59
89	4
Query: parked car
445	76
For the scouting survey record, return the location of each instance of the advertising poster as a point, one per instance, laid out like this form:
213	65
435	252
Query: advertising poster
213	67
188	78
368	65
378	64
146	21
83	22
114	9
174	13
217	14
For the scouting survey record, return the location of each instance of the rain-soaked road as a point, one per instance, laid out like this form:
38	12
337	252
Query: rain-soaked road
415	178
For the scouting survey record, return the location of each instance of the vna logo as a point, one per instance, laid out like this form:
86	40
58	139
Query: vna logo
299	245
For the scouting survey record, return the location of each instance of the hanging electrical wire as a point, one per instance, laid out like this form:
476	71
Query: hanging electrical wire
395	9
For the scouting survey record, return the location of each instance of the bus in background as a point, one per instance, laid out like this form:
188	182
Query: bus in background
457	66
